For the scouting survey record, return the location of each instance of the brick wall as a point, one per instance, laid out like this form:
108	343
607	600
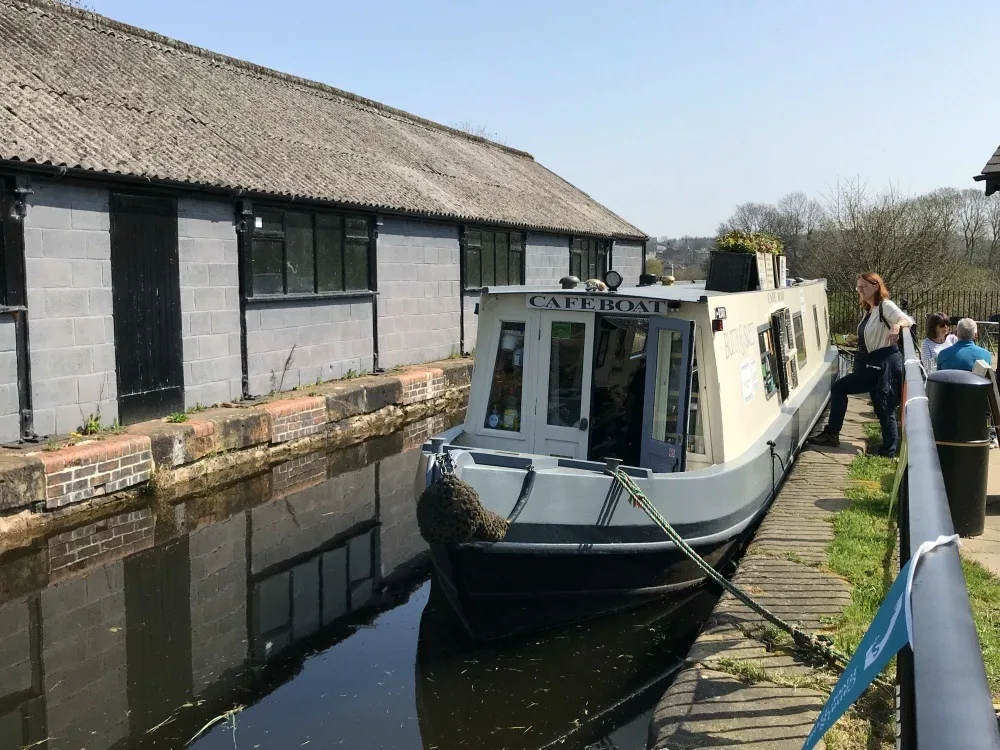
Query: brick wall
210	304
100	542
95	469
10	420
330	338
304	521
84	659
67	247
418	279
218	600
627	260
546	259
15	648
299	474
296	418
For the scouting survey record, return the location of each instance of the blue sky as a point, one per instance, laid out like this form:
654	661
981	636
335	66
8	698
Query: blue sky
668	112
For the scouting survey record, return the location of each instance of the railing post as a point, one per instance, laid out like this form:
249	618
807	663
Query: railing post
906	723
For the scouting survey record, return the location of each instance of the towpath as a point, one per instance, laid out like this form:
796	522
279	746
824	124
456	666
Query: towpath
735	692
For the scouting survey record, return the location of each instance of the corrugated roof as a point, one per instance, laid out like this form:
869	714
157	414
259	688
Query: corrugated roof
83	91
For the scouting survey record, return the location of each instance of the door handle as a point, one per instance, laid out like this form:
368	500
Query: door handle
584	424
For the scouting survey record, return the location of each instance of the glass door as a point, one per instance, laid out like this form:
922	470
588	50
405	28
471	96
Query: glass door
668	385
566	358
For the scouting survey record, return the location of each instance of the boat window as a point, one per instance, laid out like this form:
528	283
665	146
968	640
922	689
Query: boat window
696	429
787	338
503	410
800	340
566	367
666	399
768	361
819	340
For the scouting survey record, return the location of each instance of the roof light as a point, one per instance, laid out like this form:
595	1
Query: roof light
613	279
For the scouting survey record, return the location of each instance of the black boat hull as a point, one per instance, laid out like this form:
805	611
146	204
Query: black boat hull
498	594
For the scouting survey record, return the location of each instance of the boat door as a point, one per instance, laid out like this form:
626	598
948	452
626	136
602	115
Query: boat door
669	345
565	370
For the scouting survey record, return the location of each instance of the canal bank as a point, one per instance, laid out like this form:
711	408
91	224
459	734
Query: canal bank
741	685
48	486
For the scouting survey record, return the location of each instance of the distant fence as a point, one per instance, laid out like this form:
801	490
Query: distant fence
845	314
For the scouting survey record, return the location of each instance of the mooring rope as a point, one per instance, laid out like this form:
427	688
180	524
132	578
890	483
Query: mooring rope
803	639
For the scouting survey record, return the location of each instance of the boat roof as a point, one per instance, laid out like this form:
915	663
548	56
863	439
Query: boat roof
681	291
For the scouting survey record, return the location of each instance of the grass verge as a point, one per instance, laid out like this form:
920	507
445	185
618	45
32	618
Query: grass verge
863	551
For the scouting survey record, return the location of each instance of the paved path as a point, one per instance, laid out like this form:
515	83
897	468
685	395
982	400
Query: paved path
709	705
985	549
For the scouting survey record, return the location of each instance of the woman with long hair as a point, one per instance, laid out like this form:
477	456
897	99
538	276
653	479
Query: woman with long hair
878	366
938	337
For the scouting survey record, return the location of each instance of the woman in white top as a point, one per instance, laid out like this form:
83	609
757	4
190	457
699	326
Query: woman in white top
878	366
938	338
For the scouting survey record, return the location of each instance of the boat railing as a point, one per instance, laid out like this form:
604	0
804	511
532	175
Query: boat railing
944	696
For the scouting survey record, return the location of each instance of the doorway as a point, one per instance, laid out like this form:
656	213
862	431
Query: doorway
562	413
145	283
668	385
619	389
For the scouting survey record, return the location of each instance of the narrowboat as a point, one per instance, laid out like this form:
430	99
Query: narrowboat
704	397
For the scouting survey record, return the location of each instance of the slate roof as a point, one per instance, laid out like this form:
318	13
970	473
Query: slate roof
991	173
80	90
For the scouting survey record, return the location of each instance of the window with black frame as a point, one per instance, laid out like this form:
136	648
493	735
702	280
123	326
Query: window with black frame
588	258
493	258
307	252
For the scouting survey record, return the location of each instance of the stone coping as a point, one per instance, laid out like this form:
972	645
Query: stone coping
39	480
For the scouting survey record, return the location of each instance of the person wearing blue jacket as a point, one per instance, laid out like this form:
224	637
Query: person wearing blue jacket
962	355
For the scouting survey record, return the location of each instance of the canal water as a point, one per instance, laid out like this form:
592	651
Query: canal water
296	608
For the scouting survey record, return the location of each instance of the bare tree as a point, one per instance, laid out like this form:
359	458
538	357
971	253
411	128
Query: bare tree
906	240
972	219
480	131
798	218
752	217
993	219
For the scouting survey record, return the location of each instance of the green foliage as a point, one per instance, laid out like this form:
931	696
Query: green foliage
351	374
738	241
91	425
197	408
177	417
654	266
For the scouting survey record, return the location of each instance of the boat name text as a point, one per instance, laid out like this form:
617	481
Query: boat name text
773	297
597	304
739	340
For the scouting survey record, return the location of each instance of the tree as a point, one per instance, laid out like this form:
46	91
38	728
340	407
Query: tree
751	218
905	240
993	218
798	218
480	131
654	265
971	206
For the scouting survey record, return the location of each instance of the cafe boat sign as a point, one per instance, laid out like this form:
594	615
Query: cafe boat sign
596	304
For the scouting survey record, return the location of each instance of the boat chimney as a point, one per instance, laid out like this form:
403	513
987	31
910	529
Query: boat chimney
569	282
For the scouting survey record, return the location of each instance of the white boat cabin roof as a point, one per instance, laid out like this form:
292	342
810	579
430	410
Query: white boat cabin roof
680	292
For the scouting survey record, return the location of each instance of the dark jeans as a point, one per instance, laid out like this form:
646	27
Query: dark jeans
863	380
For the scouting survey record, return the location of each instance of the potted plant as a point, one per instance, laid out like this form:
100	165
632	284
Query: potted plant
743	262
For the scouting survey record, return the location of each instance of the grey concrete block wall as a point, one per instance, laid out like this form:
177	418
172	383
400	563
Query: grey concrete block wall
305	520
546	259
67	247
10	420
15	648
210	303
418	280
471	321
400	536
626	258
218	600
84	659
330	337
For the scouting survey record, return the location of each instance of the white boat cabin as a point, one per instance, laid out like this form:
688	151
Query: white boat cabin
669	378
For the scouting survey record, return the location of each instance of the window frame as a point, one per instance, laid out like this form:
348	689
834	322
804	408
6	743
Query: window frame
598	246
525	426
469	246
767	331
801	352
272	235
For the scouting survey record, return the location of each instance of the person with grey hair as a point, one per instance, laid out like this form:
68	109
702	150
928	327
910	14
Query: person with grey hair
962	355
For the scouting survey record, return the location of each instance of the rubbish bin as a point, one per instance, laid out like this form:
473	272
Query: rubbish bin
959	408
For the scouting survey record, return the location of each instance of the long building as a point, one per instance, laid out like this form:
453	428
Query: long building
178	227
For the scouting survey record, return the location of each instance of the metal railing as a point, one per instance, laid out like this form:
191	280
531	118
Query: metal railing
944	697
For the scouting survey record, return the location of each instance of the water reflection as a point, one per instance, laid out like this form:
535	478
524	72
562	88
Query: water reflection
290	608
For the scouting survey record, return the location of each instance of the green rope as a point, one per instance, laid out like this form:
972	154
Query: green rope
803	639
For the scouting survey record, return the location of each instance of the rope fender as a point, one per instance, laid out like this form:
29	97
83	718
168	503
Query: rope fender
449	511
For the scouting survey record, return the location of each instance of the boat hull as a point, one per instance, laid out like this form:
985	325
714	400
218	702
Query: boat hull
500	594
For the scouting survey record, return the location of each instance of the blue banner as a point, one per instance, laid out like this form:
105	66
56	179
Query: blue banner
885	637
